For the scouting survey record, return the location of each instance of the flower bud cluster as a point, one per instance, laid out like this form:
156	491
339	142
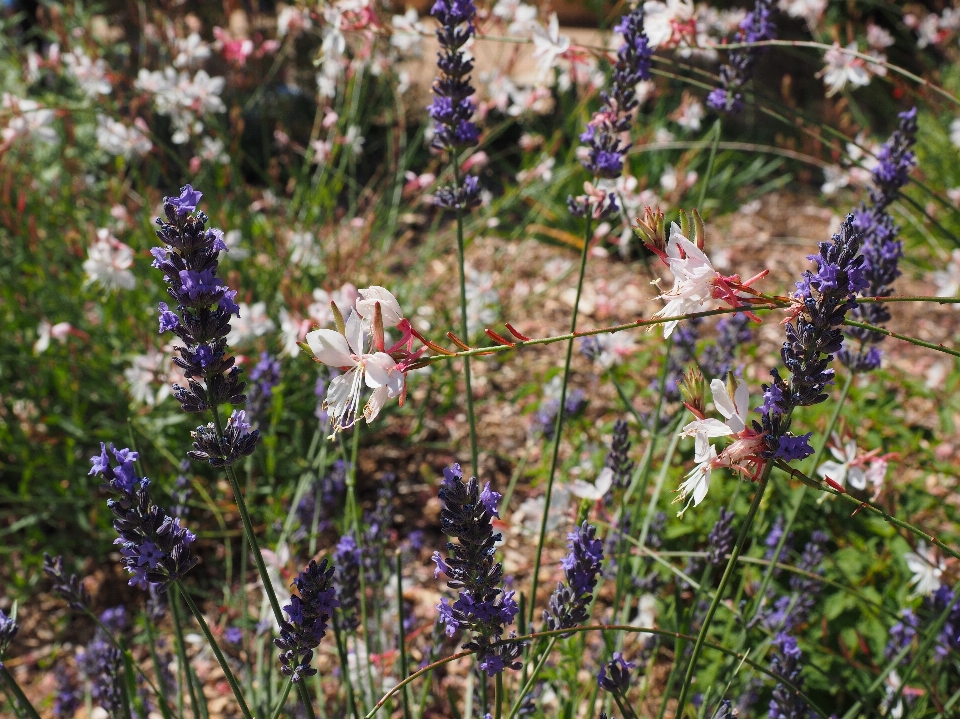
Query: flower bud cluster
204	304
69	587
482	606
881	248
8	630
755	27
618	458
238	440
308	615
155	548
582	566
786	703
347	557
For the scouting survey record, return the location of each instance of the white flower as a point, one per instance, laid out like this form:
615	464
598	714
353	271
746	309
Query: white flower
146	378
232	239
482	300
292	330
108	262
204	93
844	468
353	140
90	75
947	280
291	19
926	569
304	250
548	46
30	120
211	150
519	15
955	132
615	347
320	311
118	139
843	68
697	482
408	32
690	113
878	38
251	323
46	332
809	10
191	50
378	371
389	307
595	491
694	277
661	18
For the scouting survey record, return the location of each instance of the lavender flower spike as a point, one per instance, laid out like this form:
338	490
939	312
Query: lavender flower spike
604	132
881	248
452	107
568	604
822	301
755	27
347	557
155	548
614	676
482	607
8	630
308	616
786	703
201	319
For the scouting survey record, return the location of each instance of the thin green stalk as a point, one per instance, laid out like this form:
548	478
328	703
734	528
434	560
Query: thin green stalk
498	696
248	528
405	697
625	708
183	662
162	686
738	547
222	660
801	492
18	692
305	699
344	667
471	416
558	427
533	676
283	700
713	156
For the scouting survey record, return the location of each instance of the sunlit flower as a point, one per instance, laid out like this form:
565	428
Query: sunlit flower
304	249
345	299
845	467
191	50
596	491
376	370
548	46
91	75
108	262
809	10
146	378
121	140
927	569
697	482
29	120
251	323
292	20
293	329
664	22
947	280
843	69
46	332
408	32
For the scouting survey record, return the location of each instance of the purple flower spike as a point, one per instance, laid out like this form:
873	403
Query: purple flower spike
482	606
755	27
308	615
187	202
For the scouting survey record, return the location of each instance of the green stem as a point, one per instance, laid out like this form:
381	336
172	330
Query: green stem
627	710
471	416
18	692
713	156
731	563
248	529
227	672
558	427
498	696
405	697
801	492
532	678
283	700
183	661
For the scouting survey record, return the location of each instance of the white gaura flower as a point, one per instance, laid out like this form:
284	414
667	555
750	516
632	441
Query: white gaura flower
926	568
46	332
376	370
548	46
596	491
694	279
734	409
697	482
843	68
251	322
108	262
320	311
845	467
661	19
29	120
292	330
121	140
947	280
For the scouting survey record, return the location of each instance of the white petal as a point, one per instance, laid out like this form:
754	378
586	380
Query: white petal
741	398
377	376
858	478
585	490
707	428
389	307
330	347
339	394
850	450
354	333
700	491
375	404
604	480
721	398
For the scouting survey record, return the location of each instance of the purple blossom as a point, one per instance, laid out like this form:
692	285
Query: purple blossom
482	606
614	676
490	500
308	615
786	702
581	567
348	558
264	376
791	448
234	635
187	202
168	319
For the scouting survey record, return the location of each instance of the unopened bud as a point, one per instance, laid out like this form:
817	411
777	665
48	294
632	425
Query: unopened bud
692	389
651	230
